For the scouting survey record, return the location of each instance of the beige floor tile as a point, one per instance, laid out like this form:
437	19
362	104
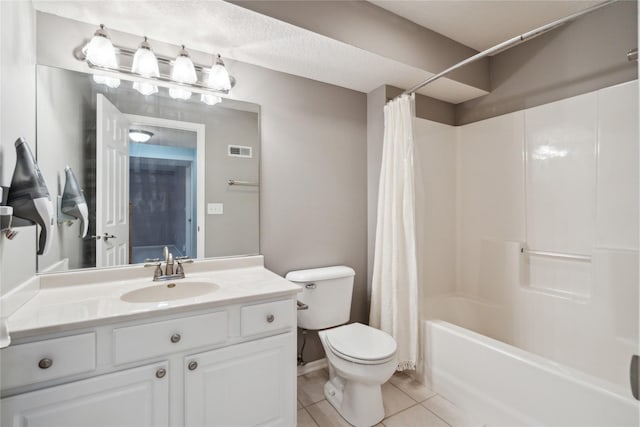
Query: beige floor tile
311	387
405	382
394	400
305	420
449	412
414	417
325	415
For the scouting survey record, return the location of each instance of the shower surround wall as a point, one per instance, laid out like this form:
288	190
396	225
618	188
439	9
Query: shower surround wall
561	177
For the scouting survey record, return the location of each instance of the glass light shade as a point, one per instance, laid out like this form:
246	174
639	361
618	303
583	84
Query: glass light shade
100	51
138	135
219	76
210	99
145	88
183	70
145	63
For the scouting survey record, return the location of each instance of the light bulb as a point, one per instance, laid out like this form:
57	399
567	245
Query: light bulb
219	76
210	99
145	63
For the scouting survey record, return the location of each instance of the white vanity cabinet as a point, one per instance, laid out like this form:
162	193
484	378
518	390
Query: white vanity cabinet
226	366
137	397
242	385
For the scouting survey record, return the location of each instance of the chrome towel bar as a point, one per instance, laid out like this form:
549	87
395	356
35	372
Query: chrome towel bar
245	183
573	257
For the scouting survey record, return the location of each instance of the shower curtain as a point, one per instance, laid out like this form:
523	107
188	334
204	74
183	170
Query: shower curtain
394	288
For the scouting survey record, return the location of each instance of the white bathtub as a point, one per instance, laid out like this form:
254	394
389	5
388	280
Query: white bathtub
502	385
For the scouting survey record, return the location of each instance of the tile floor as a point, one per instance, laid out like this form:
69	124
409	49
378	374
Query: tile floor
406	404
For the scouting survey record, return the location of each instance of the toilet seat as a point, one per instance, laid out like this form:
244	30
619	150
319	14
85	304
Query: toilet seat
361	344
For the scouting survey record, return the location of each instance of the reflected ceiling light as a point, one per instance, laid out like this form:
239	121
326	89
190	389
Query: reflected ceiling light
546	152
219	76
183	71
100	51
210	99
145	64
139	135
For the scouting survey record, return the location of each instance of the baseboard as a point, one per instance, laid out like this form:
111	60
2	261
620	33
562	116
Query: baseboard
312	366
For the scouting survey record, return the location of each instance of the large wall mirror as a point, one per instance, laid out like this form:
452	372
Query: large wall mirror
155	172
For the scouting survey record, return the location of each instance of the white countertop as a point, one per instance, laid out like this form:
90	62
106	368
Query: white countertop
63	302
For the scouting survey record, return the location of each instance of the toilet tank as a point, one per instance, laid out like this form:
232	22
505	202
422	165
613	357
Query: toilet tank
327	291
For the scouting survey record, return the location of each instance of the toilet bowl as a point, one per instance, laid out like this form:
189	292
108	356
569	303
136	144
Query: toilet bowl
361	359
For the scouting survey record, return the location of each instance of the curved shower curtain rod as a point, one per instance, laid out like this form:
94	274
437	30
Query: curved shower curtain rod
506	45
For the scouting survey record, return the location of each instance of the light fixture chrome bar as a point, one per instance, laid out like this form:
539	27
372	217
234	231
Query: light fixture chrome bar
507	44
573	257
244	183
163	78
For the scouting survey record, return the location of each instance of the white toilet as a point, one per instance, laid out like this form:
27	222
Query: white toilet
361	358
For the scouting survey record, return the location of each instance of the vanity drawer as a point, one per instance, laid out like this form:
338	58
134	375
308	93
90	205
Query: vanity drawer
153	339
271	316
46	360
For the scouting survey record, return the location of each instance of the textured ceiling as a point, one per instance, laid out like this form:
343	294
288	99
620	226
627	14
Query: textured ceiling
247	36
481	24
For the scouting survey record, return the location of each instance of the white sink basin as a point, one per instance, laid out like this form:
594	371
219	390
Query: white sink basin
169	291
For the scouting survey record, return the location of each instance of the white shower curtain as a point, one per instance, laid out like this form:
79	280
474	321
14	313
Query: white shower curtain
394	290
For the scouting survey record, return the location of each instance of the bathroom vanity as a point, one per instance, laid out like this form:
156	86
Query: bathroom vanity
82	355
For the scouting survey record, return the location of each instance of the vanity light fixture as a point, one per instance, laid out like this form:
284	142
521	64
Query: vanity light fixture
183	71
145	64
148	70
139	135
100	52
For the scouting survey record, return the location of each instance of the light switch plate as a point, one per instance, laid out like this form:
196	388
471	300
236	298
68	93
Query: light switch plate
215	208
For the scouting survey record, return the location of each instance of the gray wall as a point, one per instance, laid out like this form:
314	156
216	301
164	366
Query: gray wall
61	129
17	118
580	57
313	196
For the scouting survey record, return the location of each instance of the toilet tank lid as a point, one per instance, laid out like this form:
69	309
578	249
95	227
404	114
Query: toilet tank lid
325	273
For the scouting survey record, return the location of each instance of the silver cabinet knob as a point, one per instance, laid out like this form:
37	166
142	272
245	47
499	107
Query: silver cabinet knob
45	363
271	318
175	338
193	365
160	373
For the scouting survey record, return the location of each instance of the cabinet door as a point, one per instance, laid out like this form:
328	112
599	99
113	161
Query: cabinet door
135	397
250	384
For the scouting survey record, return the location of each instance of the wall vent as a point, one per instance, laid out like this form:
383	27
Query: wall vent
240	151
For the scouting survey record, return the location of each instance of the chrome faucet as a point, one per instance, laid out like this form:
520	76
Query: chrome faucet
169	261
